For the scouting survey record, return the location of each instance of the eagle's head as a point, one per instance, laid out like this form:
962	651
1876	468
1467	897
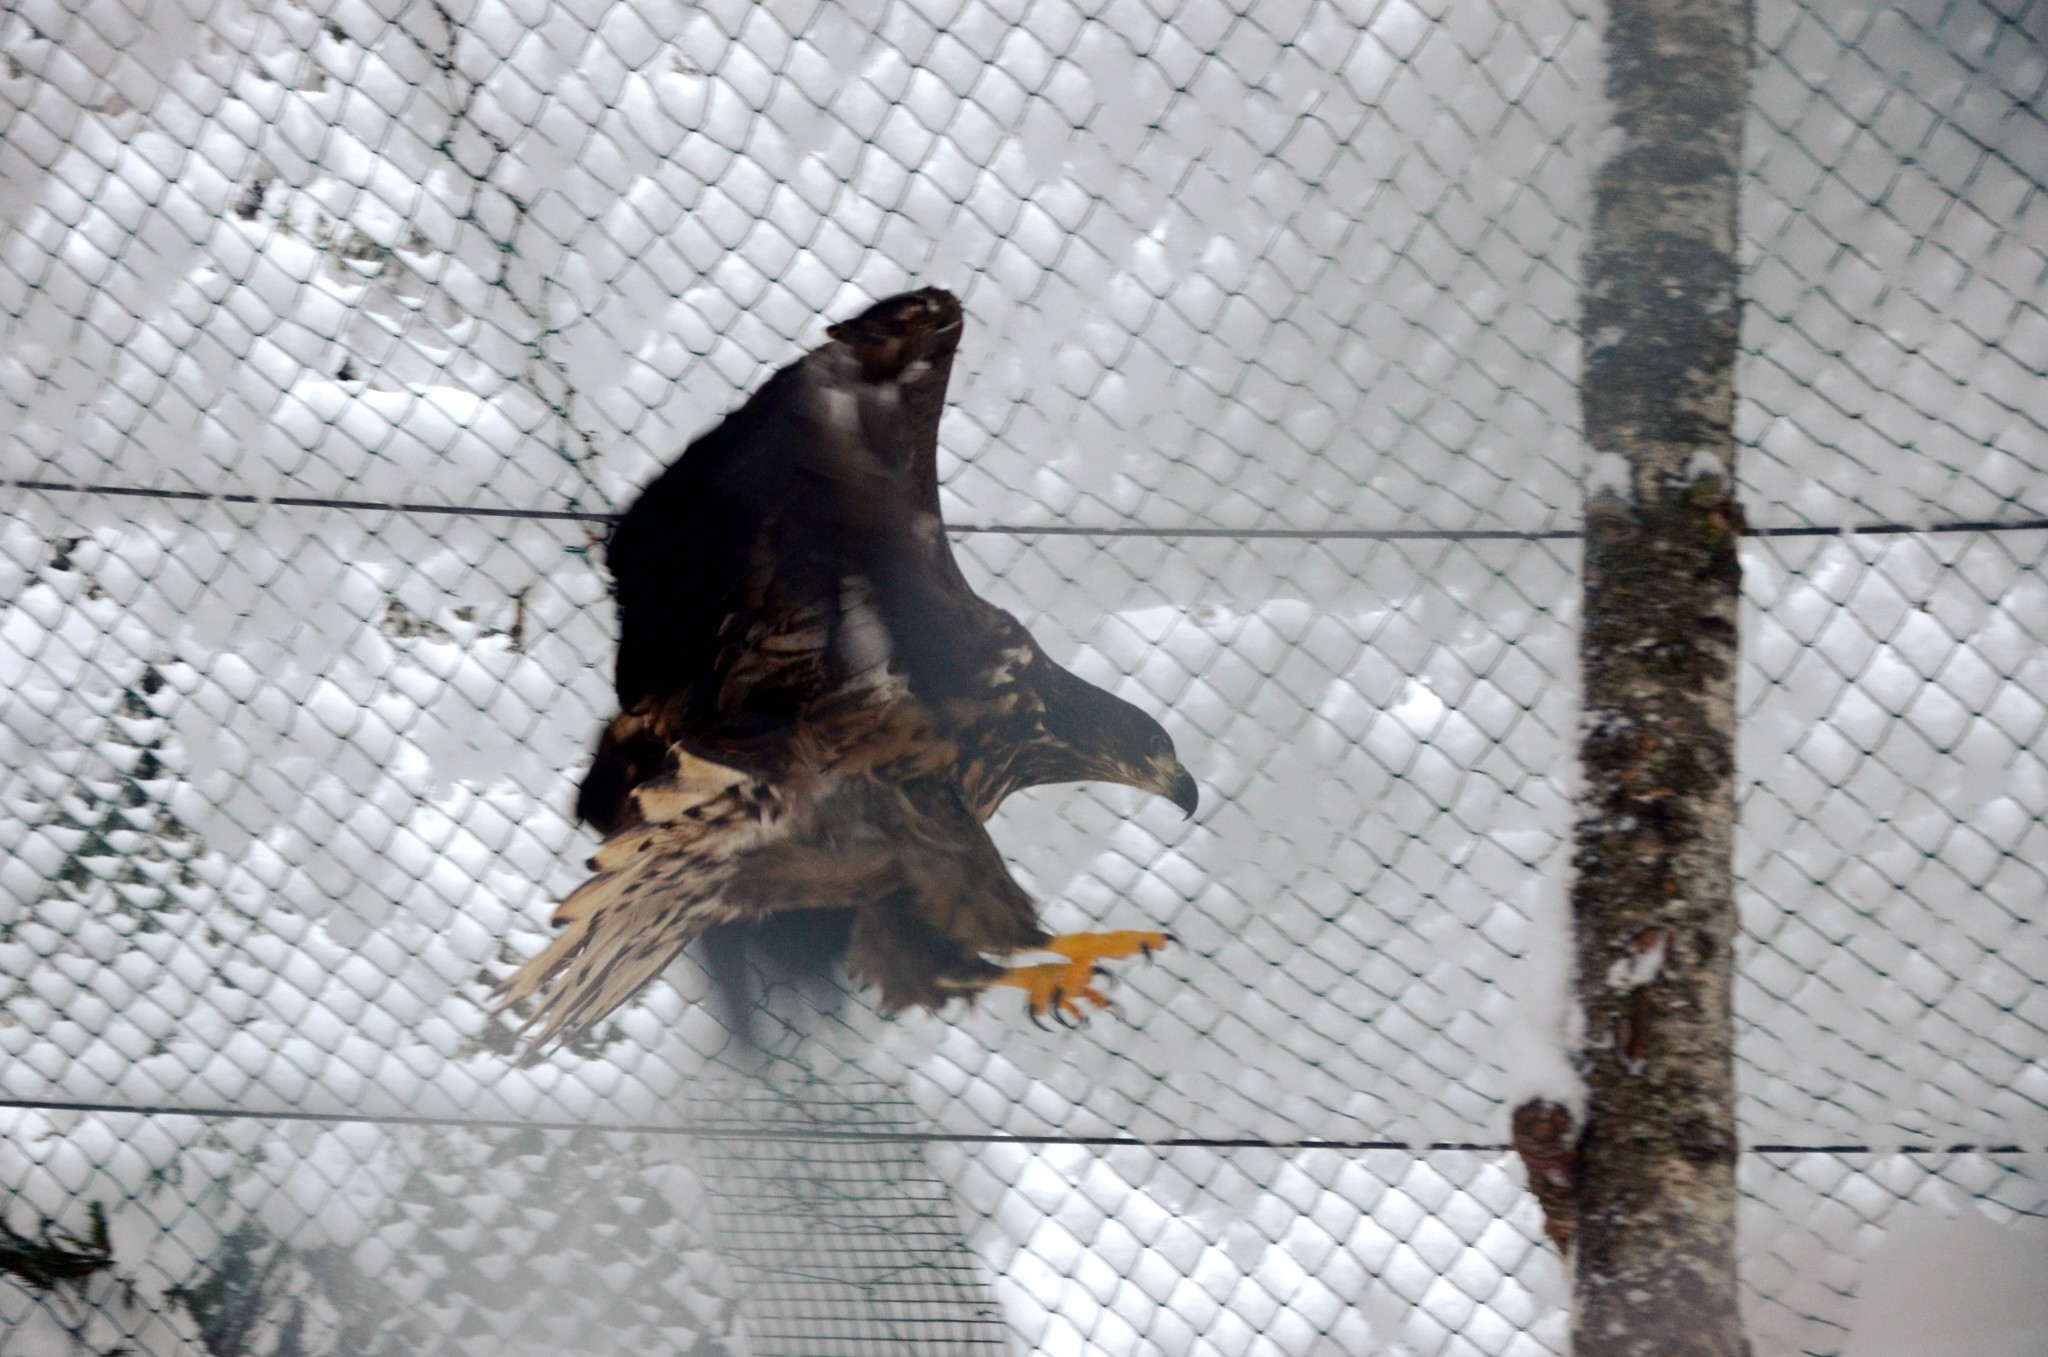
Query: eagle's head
1106	739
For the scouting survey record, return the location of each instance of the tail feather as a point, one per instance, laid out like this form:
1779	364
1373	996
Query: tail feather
623	927
707	844
658	884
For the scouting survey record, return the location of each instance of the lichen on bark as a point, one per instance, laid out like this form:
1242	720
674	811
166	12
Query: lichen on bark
1653	903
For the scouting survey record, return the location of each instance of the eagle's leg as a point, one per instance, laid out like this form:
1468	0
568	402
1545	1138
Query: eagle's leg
1062	987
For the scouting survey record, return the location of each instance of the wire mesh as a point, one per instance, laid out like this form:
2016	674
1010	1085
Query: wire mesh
1890	989
334	330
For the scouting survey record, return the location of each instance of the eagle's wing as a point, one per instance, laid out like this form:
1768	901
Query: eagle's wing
862	814
817	712
827	471
797	550
905	347
791	551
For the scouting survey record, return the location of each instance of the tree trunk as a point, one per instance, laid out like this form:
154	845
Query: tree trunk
1654	904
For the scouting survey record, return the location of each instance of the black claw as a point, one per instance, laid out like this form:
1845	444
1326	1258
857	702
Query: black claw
1035	1021
1059	1009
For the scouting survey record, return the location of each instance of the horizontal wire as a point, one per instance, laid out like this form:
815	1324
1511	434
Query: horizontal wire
715	1131
1279	534
1964	1148
707	1131
1883	529
1022	530
309	502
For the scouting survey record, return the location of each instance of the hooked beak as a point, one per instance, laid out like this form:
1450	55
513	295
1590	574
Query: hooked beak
1177	785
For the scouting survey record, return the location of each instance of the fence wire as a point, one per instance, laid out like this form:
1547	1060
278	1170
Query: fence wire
332	332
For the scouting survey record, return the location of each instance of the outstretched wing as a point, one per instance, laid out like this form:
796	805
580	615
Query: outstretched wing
793	550
816	712
828	471
797	550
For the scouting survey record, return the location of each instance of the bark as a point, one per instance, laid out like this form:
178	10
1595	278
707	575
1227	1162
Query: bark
1654	1178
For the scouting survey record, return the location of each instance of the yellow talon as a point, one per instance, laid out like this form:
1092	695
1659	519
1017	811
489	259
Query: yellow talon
1092	947
1058	988
1061	988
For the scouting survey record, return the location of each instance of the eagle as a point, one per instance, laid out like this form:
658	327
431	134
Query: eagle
818	715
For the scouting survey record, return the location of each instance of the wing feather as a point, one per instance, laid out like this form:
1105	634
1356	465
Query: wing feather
817	710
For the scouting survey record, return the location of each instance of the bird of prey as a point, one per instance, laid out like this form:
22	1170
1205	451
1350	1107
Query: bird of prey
818	714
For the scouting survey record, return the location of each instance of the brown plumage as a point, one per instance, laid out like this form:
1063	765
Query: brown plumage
818	714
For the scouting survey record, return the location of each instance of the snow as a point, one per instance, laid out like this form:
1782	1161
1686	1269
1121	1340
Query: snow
1888	978
283	788
1947	1278
1314	1252
1642	965
1608	473
1864	1255
1893	321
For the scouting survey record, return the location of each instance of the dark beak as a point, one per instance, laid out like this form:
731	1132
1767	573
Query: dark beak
1184	793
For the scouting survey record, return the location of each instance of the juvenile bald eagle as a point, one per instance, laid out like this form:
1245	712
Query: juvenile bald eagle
818	714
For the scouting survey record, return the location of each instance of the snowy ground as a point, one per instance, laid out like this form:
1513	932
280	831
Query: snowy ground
283	786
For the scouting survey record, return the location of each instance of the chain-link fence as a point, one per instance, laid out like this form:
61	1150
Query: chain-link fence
333	331
1891	859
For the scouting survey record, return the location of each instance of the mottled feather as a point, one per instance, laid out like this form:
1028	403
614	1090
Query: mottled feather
817	714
